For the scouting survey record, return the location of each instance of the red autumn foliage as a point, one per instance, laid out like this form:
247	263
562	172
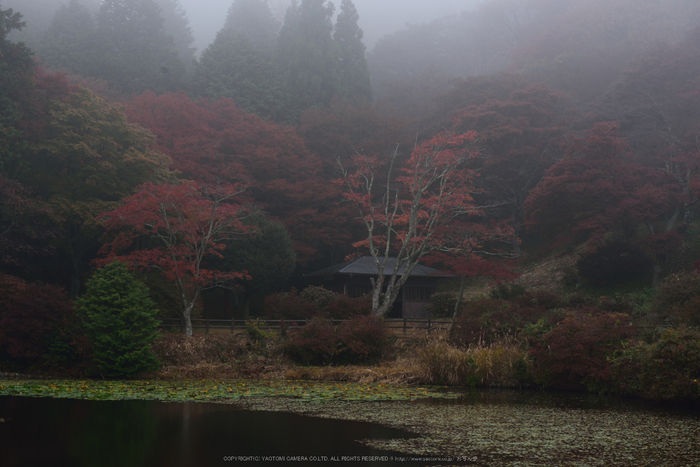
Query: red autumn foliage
289	305
212	142
404	216
184	224
362	339
358	340
576	353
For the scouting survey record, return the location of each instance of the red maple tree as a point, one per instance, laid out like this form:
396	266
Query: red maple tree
212	142
599	186
404	213
184	224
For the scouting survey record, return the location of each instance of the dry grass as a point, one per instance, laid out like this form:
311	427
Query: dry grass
497	364
414	360
218	356
402	371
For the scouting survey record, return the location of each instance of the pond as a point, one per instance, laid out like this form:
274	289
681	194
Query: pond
67	432
322	422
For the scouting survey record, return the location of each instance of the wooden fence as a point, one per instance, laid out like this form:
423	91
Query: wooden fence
208	324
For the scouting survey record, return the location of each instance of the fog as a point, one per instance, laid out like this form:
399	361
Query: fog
206	17
377	17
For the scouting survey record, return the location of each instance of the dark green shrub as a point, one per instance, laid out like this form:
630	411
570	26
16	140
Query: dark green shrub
317	295
119	319
668	369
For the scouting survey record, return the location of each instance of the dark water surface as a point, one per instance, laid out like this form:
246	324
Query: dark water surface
66	432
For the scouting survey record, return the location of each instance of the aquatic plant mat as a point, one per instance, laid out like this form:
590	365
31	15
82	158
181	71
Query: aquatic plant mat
480	427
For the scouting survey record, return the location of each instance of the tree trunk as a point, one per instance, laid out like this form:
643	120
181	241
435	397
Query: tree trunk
187	316
462	280
658	270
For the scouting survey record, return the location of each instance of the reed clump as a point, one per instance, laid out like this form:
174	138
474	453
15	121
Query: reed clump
503	363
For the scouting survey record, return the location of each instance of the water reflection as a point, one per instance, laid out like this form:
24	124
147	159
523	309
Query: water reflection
61	432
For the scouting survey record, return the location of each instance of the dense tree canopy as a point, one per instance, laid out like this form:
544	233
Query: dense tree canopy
136	54
592	139
16	68
253	20
69	43
83	159
233	67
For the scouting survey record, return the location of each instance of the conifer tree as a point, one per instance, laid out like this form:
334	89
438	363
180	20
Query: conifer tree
239	64
307	55
233	68
119	318
353	72
136	53
16	68
177	26
253	20
69	43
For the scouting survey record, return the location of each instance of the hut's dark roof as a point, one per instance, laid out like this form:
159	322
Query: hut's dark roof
366	266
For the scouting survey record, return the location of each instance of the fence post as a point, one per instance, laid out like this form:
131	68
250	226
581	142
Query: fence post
404	325
206	331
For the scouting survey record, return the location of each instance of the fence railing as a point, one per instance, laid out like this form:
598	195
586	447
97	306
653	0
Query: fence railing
208	324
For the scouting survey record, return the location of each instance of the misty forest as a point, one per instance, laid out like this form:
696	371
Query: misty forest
543	155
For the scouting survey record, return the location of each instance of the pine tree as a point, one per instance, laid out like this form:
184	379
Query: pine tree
119	318
353	72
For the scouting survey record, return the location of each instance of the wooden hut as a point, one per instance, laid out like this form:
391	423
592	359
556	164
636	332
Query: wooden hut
352	278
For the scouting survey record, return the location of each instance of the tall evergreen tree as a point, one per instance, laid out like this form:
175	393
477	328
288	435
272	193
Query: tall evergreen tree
16	68
253	20
136	53
353	73
69	43
307	55
240	65
119	318
232	67
177	25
